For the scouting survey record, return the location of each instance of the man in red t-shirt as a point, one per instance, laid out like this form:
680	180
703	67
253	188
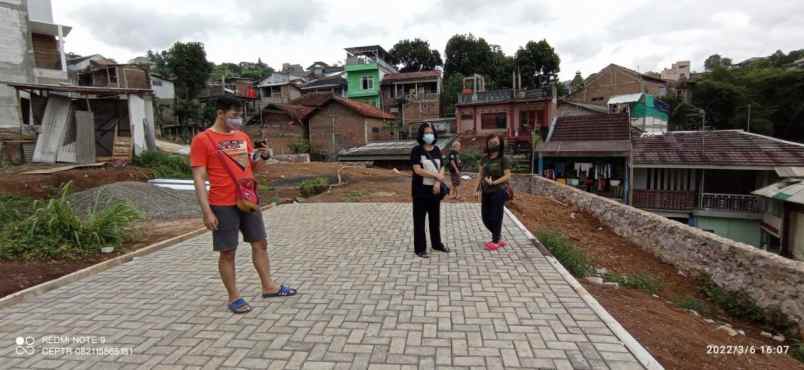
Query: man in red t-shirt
219	205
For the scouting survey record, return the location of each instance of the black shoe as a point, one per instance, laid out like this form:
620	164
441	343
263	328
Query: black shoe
442	249
423	254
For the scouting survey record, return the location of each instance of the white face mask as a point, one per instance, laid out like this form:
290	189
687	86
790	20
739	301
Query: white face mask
234	124
429	138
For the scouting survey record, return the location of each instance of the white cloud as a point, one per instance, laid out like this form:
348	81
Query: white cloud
587	34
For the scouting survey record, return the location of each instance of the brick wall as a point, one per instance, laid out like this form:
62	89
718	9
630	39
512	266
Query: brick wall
46	51
613	81
770	280
350	130
136	78
278	129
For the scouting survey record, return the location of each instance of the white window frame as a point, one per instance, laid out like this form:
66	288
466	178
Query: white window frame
367	80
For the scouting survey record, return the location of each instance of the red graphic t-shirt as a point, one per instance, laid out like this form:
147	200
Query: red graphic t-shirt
237	147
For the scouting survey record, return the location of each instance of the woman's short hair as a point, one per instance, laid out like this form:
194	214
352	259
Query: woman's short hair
501	149
420	133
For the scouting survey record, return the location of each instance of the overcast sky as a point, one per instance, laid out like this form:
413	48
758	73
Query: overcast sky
588	35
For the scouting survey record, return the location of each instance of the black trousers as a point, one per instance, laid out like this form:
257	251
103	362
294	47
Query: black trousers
492	209
429	207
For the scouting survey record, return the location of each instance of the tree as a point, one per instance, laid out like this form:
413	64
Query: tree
225	70
450	91
159	60
500	71
468	55
715	61
536	58
415	56
577	82
186	65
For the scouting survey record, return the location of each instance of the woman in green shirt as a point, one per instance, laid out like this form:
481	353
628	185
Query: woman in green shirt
495	171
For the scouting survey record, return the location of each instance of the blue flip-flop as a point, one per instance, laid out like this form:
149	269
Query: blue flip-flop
239	306
282	292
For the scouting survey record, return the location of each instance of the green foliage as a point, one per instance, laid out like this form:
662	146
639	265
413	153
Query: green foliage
415	55
14	208
314	186
536	58
165	165
450	91
566	252
797	351
740	306
774	92
690	303
54	230
354	196
467	55
716	61
186	65
639	281
577	82
301	146
471	160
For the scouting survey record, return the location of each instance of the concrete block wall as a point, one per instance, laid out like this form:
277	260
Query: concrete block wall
771	280
16	58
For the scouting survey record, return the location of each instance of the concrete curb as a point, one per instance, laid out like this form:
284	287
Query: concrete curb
640	353
47	286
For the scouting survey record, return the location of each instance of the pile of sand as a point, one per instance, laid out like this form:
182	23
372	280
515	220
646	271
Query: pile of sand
153	201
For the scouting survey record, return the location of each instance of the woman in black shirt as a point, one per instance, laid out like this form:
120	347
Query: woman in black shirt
495	171
428	179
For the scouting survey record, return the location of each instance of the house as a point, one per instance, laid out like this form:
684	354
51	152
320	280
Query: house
321	69
338	123
515	113
417	92
76	65
645	111
614	80
366	66
165	94
589	151
782	227
104	74
294	69
86	124
238	87
284	124
280	88
32	51
333	84
706	178
677	72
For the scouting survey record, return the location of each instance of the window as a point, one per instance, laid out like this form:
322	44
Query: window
466	116
367	82
375	130
276	90
494	121
597	98
156	83
528	120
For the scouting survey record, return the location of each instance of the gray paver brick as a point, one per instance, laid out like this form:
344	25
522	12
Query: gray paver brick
372	305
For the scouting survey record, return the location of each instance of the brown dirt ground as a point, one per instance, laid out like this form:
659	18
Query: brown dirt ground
44	186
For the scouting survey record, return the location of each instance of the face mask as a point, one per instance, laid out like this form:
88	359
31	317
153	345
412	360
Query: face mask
493	147
234	124
429	138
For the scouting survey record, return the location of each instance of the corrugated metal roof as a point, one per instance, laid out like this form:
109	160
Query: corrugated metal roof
390	150
790	190
627	98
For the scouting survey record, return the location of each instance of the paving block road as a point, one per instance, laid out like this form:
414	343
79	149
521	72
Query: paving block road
365	302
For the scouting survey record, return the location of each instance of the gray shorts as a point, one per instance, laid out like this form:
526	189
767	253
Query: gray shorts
232	220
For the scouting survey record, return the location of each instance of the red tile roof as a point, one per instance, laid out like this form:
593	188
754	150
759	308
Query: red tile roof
721	149
406	76
592	127
319	100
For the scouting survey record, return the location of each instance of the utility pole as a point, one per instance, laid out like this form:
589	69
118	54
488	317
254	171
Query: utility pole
749	118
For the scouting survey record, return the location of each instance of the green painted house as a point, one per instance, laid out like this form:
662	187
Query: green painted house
365	68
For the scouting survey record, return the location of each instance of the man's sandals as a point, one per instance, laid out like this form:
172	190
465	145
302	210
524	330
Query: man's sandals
282	292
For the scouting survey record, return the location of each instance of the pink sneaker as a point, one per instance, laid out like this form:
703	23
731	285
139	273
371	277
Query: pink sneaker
491	246
502	244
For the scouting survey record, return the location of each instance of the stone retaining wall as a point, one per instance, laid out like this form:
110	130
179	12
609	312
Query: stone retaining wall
771	280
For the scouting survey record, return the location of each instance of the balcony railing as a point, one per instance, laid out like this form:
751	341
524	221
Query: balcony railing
493	96
671	200
733	203
689	200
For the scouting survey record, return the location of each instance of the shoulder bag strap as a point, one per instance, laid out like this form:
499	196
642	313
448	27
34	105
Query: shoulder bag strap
222	158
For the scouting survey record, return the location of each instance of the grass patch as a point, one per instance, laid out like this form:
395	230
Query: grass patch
470	160
690	303
314	186
639	281
53	230
13	208
165	165
354	196
797	351
566	252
